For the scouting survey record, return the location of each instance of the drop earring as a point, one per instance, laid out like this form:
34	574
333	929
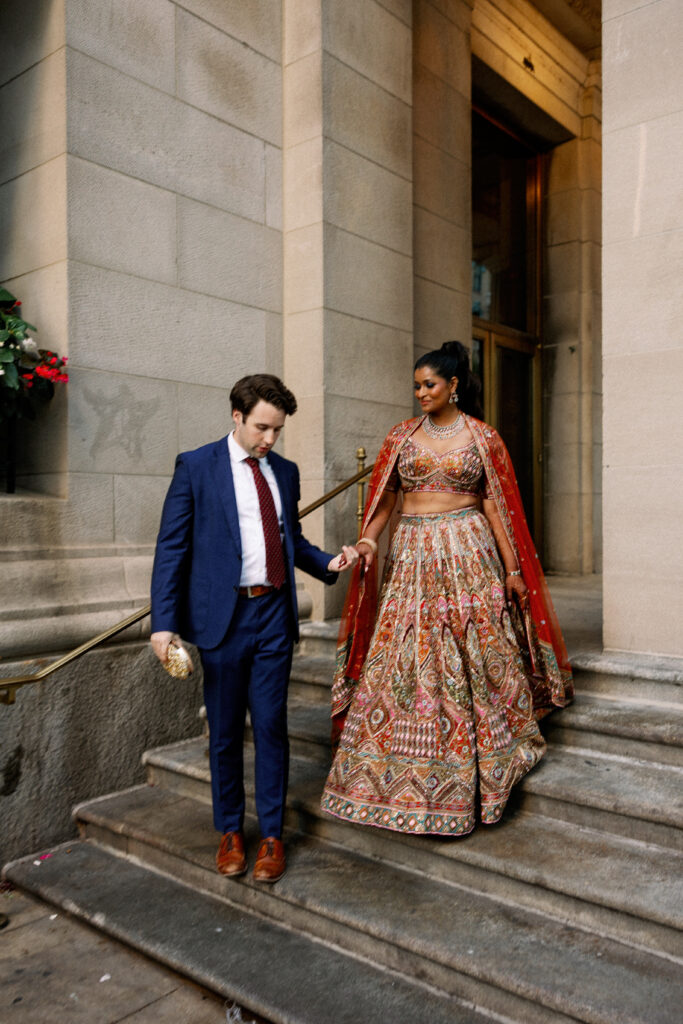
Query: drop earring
453	398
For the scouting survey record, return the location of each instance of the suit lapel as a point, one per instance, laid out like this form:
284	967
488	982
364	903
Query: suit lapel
226	489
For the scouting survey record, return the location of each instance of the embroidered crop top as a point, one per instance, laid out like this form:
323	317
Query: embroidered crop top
458	471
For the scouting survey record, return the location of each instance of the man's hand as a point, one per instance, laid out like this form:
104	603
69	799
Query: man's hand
346	559
160	642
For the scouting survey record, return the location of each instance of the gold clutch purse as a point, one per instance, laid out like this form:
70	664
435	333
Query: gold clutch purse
178	662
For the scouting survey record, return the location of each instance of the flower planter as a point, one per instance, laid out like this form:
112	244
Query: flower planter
27	378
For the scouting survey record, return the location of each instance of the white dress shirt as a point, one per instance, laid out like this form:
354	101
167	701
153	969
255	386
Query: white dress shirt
249	513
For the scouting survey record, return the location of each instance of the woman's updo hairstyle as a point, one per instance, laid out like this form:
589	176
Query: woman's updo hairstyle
453	360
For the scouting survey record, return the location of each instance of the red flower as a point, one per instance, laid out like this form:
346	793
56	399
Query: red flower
62	376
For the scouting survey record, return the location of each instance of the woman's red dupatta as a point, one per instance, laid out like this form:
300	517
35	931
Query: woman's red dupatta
549	669
540	635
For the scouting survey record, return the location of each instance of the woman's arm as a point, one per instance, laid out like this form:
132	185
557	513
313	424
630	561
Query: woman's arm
513	584
374	528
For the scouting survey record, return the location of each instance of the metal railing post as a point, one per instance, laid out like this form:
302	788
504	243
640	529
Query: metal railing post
360	466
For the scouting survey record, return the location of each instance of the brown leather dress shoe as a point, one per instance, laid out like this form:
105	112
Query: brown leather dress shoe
270	860
230	859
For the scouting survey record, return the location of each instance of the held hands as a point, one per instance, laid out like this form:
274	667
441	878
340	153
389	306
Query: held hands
346	559
368	550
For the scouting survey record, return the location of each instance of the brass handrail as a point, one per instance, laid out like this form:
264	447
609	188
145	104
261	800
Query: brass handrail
10	685
333	494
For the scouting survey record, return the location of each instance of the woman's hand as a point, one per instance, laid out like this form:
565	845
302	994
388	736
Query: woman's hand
346	559
366	552
516	585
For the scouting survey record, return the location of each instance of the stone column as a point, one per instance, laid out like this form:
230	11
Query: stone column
348	268
572	385
442	160
642	337
140	205
140	211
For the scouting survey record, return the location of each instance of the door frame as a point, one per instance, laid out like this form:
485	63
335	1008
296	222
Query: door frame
494	337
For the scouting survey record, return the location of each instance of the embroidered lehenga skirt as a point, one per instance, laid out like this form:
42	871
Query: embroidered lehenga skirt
441	724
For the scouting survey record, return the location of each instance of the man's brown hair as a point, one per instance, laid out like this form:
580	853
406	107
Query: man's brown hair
261	387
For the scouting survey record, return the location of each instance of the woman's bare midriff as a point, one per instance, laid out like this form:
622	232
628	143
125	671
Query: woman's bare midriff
420	503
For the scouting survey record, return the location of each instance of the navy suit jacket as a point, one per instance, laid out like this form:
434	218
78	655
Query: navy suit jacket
198	559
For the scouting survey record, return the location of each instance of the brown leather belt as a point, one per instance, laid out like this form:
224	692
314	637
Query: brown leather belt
258	591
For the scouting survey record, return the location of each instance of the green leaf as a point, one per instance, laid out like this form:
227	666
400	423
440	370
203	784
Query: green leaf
6	356
6	296
4	335
11	376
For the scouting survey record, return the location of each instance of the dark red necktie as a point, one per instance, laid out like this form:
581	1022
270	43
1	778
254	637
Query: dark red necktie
275	562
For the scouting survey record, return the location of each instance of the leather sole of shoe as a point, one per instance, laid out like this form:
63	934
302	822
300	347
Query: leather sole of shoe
269	879
232	874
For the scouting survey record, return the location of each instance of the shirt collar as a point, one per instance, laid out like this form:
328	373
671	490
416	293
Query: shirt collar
237	452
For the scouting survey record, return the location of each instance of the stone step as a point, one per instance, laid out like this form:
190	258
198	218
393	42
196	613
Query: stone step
638	799
640	731
645	731
615	674
309	731
318	639
606	792
631	717
451	937
279	974
630	677
620	887
311	678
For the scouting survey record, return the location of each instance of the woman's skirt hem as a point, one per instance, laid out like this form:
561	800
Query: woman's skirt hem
410	822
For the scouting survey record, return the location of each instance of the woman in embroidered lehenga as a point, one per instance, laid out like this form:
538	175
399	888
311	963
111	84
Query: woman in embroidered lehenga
438	688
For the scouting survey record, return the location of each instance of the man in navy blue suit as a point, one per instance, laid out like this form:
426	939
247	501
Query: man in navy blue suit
223	579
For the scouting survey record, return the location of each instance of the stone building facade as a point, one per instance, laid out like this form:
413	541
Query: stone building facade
195	189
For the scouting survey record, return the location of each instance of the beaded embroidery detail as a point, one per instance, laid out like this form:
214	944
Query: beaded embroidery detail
458	471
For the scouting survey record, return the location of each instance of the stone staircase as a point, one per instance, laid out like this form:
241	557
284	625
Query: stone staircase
568	910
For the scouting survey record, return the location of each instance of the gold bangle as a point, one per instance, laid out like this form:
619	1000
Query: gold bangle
372	544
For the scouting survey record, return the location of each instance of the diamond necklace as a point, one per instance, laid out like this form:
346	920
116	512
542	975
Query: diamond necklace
432	429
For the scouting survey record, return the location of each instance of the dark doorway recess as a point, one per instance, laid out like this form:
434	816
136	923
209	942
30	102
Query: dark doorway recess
506	295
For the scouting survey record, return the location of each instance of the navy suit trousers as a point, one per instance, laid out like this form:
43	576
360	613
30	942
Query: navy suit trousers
250	670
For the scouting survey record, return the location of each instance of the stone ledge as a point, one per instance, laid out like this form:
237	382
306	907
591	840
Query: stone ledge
55	634
52	601
31	554
661	668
